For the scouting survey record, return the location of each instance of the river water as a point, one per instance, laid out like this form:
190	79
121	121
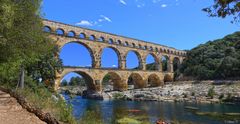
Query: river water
110	111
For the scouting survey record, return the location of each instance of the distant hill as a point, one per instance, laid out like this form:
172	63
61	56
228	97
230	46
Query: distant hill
218	59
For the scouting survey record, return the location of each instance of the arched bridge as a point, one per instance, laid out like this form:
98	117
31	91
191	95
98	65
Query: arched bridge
96	41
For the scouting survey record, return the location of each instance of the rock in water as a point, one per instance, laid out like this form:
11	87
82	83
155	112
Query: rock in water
90	94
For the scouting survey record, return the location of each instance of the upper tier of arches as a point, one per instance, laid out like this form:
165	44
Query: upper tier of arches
82	33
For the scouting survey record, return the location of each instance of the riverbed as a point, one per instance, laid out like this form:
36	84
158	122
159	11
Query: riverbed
115	111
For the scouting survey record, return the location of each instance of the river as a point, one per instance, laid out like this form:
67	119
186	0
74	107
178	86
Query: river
112	111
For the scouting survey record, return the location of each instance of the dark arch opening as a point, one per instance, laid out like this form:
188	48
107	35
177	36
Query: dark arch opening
165	62
82	36
145	47
126	43
60	31
119	42
110	58
133	60
76	54
151	62
168	78
47	29
176	64
71	34
110	41
92	37
101	39
112	81
78	79
133	45
154	81
135	81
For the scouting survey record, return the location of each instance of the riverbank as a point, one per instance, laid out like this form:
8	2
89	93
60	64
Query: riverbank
12	112
185	91
42	102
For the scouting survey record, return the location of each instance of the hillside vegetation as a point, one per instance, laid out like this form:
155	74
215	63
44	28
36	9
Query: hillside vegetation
218	59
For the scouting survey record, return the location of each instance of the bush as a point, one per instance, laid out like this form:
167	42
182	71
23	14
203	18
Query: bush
221	96
118	96
40	97
193	94
211	92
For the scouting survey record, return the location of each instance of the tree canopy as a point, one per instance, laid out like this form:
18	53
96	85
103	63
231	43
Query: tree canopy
223	8
24	44
218	59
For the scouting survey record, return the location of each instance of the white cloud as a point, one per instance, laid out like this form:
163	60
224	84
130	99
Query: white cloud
84	23
140	5
164	5
105	18
156	1
114	66
122	2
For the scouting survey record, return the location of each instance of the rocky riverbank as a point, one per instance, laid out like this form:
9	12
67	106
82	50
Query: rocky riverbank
187	91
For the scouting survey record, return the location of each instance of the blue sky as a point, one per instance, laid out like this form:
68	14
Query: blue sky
176	23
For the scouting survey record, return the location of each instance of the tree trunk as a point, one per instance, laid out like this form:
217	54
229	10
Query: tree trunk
21	81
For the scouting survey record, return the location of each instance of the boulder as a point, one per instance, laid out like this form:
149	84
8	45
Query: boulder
90	94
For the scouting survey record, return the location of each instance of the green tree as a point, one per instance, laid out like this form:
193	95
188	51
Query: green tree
219	59
223	8
64	83
22	41
77	81
106	79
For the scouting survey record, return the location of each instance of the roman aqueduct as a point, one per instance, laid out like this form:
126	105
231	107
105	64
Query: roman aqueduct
96	41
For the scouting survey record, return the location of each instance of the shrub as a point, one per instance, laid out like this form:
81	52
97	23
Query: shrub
221	96
193	94
211	92
118	96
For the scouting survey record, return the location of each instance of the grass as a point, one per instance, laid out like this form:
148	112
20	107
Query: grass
42	98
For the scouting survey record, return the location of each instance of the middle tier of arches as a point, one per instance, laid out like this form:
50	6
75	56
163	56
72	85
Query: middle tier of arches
96	50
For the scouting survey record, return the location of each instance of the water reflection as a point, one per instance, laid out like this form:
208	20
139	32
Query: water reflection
113	112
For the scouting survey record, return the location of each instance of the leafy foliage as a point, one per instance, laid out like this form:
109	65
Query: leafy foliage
24	44
77	81
219	59
223	8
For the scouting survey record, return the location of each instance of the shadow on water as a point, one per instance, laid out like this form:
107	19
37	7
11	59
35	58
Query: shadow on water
123	112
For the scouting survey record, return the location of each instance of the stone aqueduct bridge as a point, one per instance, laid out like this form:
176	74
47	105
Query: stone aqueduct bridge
96	41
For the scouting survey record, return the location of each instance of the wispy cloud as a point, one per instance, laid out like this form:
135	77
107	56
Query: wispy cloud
85	23
123	2
98	22
164	5
156	1
105	18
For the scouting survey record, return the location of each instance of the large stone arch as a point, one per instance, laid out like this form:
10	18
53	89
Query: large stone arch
91	52
116	80
176	63
116	51
154	80
136	80
87	77
140	60
156	60
168	78
166	67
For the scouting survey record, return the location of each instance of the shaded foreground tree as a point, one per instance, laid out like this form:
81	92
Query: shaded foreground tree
24	44
223	8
